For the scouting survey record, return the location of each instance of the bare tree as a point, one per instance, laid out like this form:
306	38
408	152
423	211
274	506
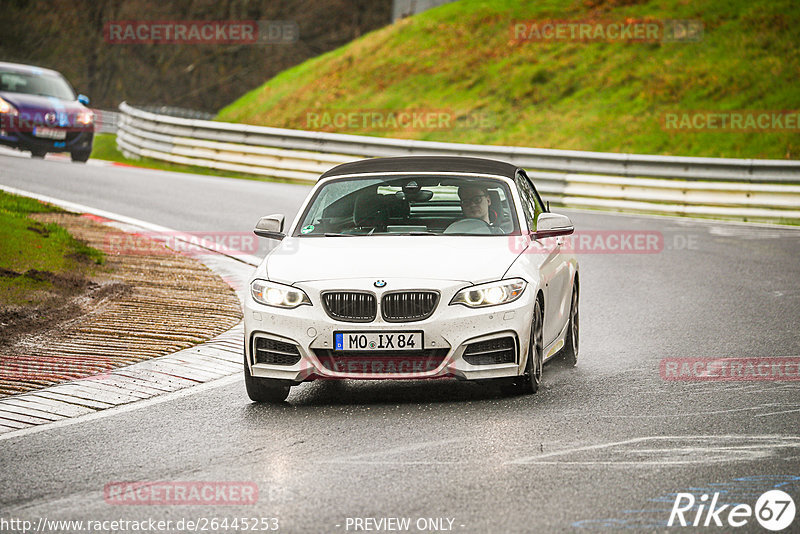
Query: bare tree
68	35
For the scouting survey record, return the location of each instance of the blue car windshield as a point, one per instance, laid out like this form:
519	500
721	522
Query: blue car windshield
41	84
410	205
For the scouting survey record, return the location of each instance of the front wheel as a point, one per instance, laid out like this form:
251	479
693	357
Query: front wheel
529	381
80	157
264	389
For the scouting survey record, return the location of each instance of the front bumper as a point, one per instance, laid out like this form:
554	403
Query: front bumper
446	335
76	139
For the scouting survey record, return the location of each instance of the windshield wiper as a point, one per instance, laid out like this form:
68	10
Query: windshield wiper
331	234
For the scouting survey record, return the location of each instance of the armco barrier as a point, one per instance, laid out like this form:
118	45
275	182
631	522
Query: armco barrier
743	189
105	121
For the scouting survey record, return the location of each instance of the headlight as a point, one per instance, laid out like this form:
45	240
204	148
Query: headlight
85	117
5	107
278	295
491	294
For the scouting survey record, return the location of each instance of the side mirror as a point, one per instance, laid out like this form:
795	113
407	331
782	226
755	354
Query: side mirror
83	99
552	225
270	226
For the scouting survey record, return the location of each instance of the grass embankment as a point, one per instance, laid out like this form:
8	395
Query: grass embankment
39	262
463	58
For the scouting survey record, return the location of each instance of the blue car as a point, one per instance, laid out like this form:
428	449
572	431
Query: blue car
40	112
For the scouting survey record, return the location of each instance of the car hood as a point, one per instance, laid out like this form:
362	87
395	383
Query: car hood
471	259
26	103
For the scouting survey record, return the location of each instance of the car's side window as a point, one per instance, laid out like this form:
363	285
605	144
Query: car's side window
537	200
528	203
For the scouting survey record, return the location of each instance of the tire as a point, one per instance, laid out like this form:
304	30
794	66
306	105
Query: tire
572	342
264	389
38	154
528	382
80	157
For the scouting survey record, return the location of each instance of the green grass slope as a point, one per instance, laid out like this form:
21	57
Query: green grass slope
461	61
33	254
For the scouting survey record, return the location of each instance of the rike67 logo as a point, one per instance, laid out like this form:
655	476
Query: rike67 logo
774	510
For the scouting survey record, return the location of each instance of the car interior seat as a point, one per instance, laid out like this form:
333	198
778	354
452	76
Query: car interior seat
370	211
495	207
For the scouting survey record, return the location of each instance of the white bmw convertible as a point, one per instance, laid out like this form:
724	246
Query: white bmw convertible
411	268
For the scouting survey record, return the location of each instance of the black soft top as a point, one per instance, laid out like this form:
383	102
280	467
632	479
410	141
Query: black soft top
413	164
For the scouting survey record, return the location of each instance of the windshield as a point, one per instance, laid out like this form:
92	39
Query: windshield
410	205
42	84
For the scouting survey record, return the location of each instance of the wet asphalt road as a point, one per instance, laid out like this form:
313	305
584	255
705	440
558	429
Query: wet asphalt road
603	447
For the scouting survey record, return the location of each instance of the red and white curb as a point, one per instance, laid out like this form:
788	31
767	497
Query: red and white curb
211	361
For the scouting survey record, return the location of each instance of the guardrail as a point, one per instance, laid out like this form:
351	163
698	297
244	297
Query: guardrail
105	121
743	189
182	113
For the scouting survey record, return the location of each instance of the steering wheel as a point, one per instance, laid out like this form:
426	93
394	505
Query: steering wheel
469	226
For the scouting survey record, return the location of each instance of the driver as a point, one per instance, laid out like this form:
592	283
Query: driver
474	202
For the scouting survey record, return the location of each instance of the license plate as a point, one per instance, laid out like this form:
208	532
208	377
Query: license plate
377	341
49	133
